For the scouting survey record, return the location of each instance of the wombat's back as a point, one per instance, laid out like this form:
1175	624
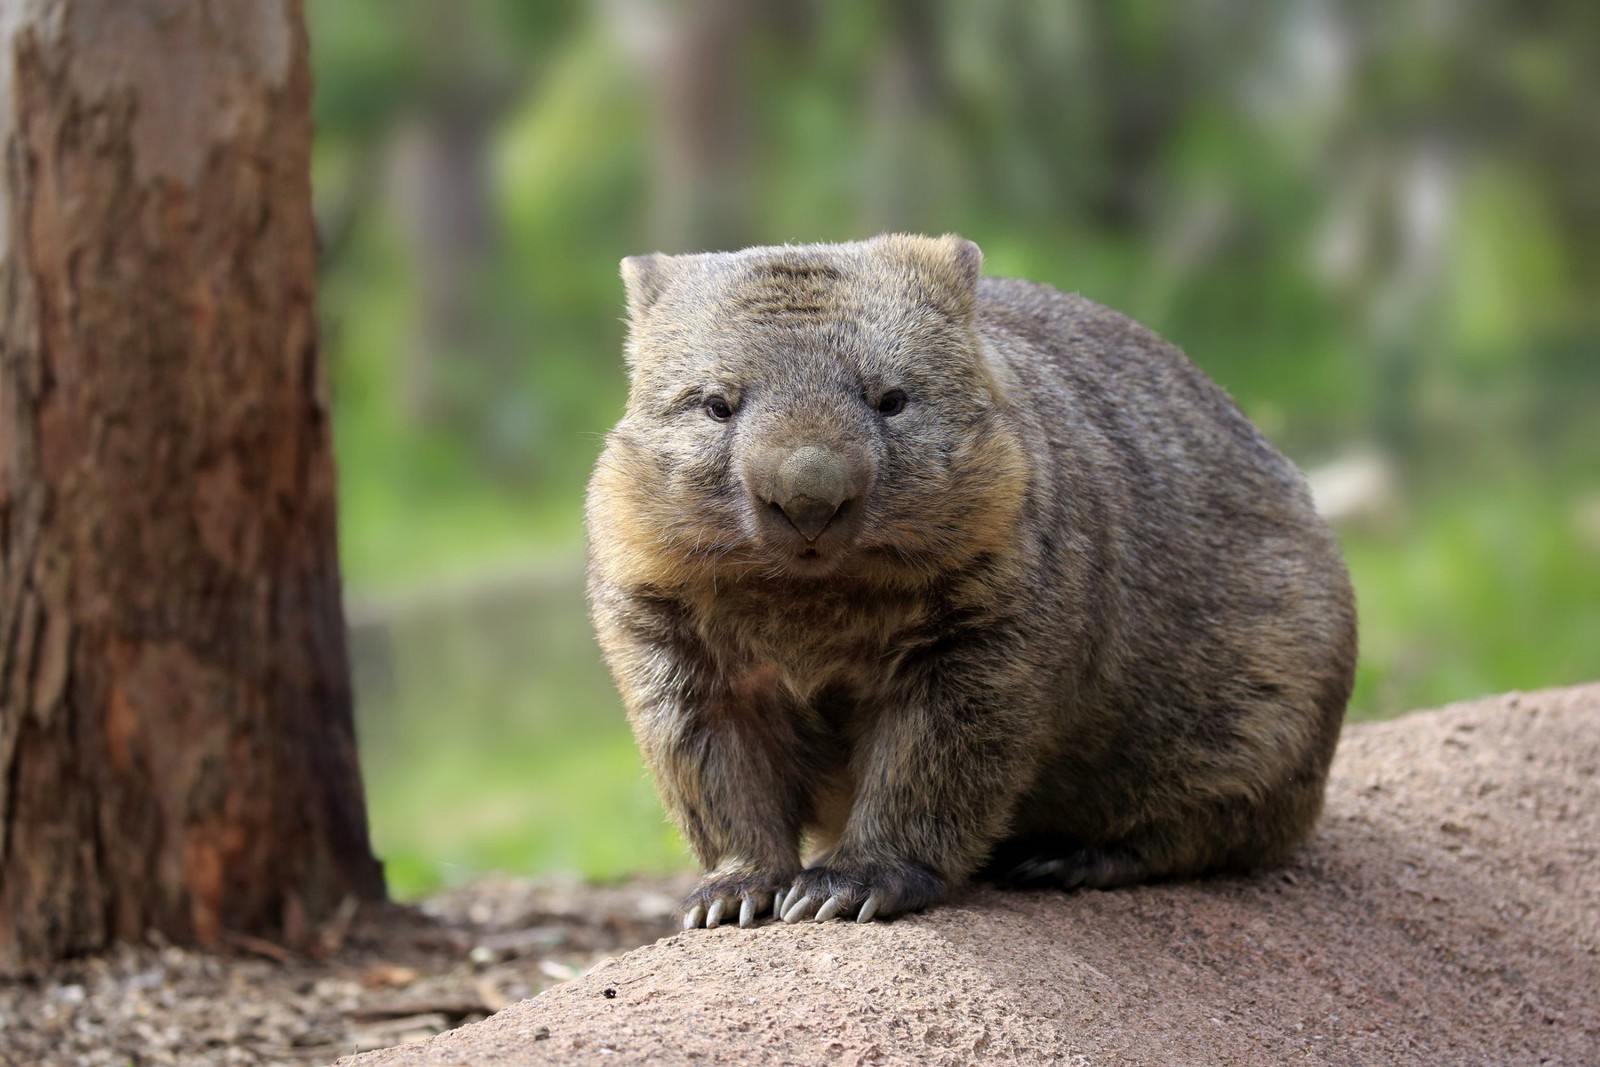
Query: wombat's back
1223	615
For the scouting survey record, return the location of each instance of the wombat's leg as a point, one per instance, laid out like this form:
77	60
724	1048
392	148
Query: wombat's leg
722	752
739	806
727	772
938	779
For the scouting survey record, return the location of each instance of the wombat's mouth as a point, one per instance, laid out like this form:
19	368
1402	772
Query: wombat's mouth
810	562
805	545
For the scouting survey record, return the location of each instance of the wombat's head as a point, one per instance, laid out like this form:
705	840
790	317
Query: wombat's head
804	410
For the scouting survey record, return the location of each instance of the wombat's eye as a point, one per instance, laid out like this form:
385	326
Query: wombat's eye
718	408
892	403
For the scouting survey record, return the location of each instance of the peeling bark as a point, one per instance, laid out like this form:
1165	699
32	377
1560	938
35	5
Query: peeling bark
176	742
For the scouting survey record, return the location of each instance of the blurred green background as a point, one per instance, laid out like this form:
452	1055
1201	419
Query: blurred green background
1376	223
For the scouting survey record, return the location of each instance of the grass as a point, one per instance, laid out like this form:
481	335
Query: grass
493	740
1484	591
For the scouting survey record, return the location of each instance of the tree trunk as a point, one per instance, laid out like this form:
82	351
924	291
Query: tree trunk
176	741
700	133
441	186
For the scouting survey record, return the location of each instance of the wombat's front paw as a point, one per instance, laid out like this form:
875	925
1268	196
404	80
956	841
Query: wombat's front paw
718	892
863	890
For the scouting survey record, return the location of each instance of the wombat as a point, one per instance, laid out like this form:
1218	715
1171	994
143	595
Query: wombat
947	576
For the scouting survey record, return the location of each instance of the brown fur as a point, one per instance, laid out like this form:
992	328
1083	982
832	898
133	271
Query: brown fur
1083	625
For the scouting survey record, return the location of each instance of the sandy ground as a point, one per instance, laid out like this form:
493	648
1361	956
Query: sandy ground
1446	912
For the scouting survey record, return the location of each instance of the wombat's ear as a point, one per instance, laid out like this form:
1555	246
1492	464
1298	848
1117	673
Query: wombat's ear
962	262
643	277
966	258
947	267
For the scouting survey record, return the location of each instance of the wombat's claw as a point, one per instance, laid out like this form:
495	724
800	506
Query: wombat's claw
721	898
834	906
714	914
831	908
861	891
801	909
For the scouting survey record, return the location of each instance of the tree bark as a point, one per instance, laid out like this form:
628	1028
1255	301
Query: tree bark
176	742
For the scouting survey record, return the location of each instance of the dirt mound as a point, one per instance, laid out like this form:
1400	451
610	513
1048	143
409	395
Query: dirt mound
1447	911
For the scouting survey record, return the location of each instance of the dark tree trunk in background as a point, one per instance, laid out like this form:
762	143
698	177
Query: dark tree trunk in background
176	744
701	139
906	175
441	182
442	190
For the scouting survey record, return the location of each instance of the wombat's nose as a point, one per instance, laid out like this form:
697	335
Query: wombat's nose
811	486
809	515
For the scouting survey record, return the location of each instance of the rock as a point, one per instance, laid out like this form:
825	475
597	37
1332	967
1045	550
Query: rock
1446	911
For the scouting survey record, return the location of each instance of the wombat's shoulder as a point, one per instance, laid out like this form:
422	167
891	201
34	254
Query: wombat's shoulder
1048	320
1071	362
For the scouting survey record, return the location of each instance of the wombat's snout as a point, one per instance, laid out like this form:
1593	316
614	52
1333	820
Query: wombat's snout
809	488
